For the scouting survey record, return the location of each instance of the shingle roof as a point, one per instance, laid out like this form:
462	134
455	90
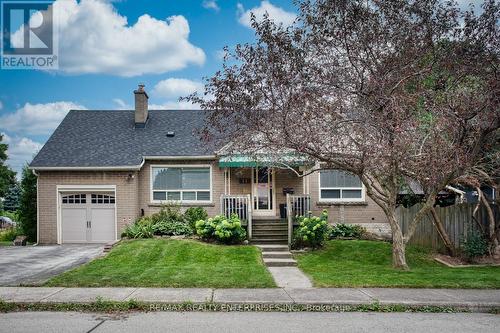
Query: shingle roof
109	138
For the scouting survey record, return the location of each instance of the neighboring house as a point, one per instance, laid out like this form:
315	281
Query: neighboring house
101	170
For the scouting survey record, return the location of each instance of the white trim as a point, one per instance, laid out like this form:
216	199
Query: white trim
264	212
181	158
180	201
127	167
106	168
85	188
362	188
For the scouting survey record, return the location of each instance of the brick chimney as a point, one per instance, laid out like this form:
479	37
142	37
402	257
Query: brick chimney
141	106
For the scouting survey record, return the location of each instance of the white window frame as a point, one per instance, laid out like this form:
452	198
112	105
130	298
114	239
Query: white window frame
321	199
151	181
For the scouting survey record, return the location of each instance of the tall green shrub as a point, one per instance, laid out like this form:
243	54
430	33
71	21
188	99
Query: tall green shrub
27	205
194	214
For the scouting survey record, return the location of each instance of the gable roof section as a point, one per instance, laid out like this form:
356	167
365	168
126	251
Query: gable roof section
109	139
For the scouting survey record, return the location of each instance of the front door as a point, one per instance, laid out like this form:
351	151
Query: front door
263	191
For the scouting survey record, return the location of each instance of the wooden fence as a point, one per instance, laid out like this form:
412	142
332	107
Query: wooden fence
457	220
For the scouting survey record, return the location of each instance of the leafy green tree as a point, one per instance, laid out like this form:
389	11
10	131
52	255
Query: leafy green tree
11	201
27	204
7	176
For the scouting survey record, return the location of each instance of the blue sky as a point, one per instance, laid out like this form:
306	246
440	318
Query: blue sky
107	47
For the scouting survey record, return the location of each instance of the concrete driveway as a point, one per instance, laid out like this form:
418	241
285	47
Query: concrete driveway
36	264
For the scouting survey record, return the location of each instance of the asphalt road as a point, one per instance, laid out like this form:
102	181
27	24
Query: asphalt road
34	264
249	322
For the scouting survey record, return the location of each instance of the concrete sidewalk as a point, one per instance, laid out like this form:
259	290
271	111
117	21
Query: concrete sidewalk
471	299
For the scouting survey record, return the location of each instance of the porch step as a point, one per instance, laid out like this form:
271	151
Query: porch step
270	233
259	222
277	255
272	247
270	227
273	241
279	262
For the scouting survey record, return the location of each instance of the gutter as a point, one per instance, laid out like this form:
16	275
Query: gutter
179	158
96	168
125	167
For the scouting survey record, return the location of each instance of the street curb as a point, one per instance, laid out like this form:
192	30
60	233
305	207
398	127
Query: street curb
102	305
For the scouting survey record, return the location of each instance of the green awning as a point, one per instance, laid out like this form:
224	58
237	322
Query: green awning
249	161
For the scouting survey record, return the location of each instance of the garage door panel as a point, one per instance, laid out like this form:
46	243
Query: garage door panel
103	224
74	226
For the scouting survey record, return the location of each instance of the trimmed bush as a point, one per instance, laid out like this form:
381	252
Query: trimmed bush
221	229
347	231
312	231
194	214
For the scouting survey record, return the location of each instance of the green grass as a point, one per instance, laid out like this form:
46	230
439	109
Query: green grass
5	243
369	264
171	263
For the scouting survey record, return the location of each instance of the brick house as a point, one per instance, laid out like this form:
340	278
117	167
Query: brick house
101	170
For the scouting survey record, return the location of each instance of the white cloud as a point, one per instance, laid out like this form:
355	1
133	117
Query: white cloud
175	88
173	105
277	14
37	119
21	151
211	4
121	105
95	38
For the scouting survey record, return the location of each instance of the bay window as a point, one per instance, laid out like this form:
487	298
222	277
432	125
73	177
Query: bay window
181	183
337	185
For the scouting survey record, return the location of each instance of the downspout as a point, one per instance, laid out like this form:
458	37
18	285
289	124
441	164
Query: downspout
37	209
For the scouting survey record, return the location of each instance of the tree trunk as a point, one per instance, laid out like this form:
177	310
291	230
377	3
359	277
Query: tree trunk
491	219
398	244
442	232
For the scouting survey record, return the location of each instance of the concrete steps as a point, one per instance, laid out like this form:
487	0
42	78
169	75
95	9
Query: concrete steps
276	255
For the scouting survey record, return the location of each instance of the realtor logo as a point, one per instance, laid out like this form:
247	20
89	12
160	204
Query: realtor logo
29	39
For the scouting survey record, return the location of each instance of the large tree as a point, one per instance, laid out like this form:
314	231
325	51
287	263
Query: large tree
11	201
28	204
388	90
7	176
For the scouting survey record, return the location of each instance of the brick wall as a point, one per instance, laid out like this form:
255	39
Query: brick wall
126	197
368	213
144	194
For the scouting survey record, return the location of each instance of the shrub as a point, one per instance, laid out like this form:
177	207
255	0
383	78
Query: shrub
170	213
171	228
8	235
312	231
142	228
475	245
222	229
347	230
194	214
169	221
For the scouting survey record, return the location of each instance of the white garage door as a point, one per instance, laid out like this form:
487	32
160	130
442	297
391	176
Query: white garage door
88	217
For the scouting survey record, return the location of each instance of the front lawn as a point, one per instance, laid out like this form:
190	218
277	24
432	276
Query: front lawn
171	263
369	264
